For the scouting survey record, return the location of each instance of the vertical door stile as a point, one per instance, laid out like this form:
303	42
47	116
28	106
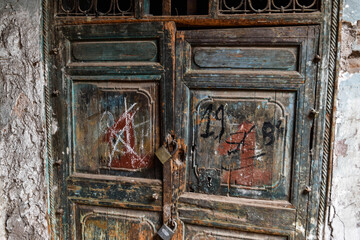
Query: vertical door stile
166	7
139	8
213	8
168	117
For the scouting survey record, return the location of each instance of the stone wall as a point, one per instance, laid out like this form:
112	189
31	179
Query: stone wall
22	150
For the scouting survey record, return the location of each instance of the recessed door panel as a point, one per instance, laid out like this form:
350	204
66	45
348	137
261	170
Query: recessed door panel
97	223
115	127
243	143
246	58
194	232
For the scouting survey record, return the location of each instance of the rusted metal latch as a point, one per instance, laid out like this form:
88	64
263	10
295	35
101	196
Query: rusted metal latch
163	153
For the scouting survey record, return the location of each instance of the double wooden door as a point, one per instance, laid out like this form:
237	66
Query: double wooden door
238	102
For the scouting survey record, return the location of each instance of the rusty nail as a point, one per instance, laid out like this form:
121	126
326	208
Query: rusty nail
60	211
155	196
317	59
313	113
55	93
54	51
58	162
307	189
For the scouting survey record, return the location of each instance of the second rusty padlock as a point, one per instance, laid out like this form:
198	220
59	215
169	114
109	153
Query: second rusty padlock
163	153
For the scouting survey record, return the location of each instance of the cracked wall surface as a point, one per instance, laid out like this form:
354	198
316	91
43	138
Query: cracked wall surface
22	149
344	203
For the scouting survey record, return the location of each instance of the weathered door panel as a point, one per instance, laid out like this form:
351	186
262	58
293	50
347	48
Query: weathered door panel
116	128
96	223
195	232
247	95
243	143
112	114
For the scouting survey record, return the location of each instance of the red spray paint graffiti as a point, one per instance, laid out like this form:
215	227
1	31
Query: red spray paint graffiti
243	143
121	141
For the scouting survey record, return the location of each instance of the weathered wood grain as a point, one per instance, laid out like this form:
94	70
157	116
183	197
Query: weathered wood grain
106	187
207	60
93	222
199	82
115	191
202	209
195	232
124	51
205	21
246	57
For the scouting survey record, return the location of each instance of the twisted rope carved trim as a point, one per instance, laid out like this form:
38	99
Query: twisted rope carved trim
48	114
329	116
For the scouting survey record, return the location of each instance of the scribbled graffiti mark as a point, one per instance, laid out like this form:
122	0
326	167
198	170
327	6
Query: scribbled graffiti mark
238	143
121	141
246	156
209	116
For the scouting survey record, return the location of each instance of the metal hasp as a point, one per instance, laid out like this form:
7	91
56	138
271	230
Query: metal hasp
163	153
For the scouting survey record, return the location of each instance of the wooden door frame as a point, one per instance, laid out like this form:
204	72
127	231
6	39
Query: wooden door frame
326	90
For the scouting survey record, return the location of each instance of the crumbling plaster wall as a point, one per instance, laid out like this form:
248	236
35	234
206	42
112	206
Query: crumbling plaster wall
22	150
344	209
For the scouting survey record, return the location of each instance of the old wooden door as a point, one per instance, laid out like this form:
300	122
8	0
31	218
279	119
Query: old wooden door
246	115
114	101
239	102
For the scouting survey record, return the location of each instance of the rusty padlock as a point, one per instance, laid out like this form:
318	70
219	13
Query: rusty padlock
166	233
163	153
